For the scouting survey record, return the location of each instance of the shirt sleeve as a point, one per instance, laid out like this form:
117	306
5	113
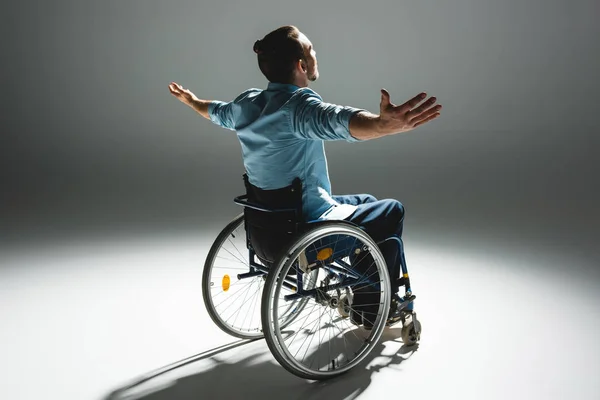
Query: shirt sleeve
314	119
223	113
228	114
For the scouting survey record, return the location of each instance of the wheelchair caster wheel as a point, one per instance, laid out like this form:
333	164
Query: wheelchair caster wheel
343	306
411	332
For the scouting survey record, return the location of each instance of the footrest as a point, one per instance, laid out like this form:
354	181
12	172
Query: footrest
406	302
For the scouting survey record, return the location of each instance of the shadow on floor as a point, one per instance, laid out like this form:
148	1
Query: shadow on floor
249	378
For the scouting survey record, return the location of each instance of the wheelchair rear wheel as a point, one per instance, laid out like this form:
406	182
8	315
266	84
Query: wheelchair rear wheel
321	342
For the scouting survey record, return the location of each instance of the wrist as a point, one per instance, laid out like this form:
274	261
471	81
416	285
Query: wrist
366	126
383	127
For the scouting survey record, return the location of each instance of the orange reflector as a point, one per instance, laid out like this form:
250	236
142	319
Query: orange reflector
324	254
226	282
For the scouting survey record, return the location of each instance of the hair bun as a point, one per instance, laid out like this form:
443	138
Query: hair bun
258	47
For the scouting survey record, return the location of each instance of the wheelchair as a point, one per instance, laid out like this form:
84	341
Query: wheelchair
319	292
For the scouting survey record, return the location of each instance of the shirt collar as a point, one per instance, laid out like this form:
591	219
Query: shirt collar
286	87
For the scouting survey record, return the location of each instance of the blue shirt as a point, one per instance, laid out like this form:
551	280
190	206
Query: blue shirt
282	131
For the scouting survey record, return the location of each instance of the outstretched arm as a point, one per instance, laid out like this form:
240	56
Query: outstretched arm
315	119
393	119
188	98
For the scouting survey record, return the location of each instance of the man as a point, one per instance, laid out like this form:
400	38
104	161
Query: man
282	131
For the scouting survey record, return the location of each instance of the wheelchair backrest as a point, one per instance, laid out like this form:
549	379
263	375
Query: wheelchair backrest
272	218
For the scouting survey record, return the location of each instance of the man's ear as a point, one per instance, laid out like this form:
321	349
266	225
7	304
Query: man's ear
303	65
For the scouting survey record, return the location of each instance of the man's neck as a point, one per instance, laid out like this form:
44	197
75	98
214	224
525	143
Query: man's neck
300	82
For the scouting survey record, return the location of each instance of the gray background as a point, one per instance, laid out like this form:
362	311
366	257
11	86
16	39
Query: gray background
93	143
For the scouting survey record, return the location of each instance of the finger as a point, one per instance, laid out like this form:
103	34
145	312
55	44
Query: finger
385	98
412	102
418	110
430	118
425	113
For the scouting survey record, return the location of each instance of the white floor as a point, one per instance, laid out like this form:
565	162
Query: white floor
82	320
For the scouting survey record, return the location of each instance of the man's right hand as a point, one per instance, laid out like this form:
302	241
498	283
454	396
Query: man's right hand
183	95
406	117
188	98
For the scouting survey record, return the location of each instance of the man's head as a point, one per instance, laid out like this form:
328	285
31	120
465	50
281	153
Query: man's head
285	55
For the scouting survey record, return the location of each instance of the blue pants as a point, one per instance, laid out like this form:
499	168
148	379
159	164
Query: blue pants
383	220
